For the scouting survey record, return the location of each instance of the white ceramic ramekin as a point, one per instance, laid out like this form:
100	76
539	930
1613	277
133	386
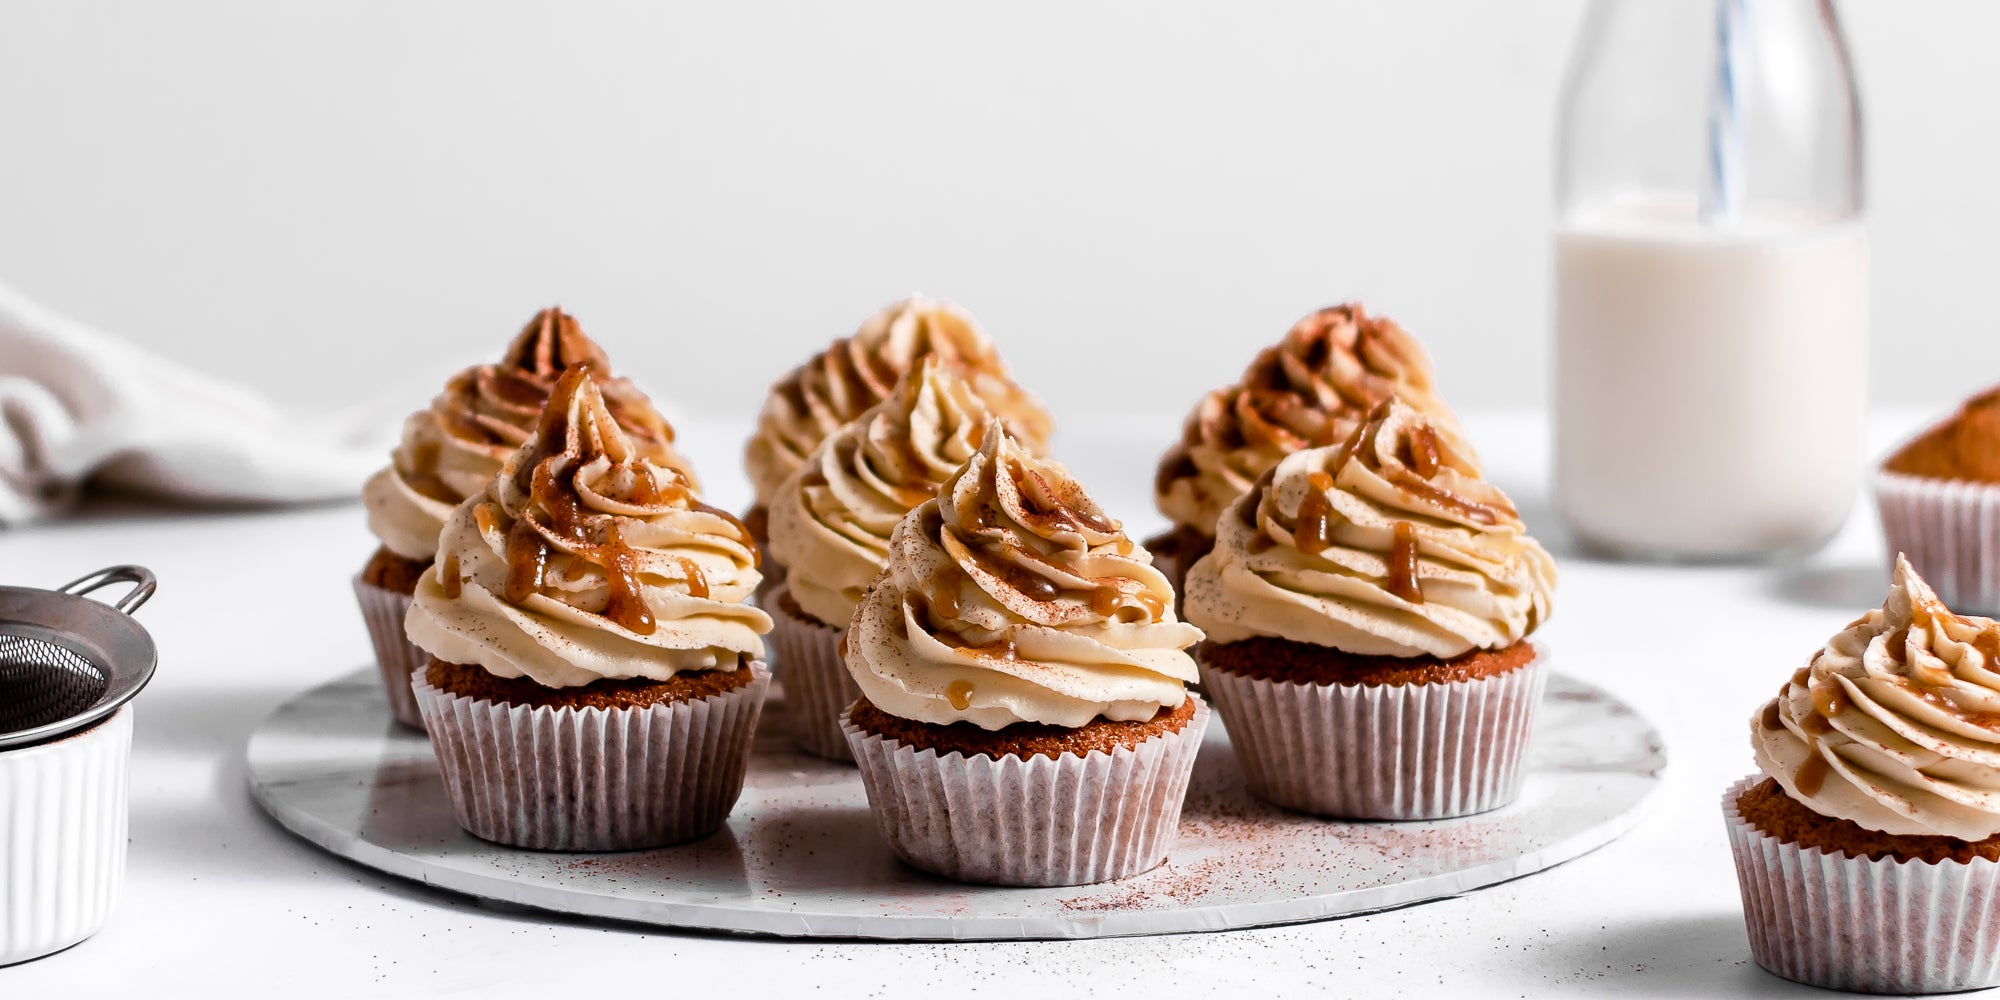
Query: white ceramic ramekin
63	818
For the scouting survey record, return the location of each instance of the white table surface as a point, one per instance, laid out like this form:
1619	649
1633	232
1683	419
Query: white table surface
255	605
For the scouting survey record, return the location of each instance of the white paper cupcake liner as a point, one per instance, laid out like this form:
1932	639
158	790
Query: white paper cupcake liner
1036	821
1883	926
1950	530
1387	751
398	658
592	779
818	687
63	818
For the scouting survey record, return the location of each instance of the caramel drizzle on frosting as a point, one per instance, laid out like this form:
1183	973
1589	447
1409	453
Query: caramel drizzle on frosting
1928	683
1055	516
496	407
1811	775
1403	580
1314	531
577	429
1311	389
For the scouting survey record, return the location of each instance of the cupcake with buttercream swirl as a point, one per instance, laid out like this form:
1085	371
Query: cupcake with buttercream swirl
451	449
1017	633
1311	389
1384	569
589	582
1868	848
856	372
1894	725
831	522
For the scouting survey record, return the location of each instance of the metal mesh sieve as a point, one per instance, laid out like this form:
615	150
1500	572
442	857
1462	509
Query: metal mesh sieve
67	662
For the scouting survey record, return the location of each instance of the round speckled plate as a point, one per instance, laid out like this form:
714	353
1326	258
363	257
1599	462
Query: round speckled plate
801	856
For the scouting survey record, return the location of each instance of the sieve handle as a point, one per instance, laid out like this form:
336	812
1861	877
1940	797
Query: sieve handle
139	577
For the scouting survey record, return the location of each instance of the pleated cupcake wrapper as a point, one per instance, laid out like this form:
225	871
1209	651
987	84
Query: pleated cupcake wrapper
592	779
1845	923
1951	532
63	819
1390	751
818	687
398	658
1036	821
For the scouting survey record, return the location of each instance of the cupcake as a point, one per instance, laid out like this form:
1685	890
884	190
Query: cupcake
451	450
1939	497
1311	389
1868	850
1368	608
854	373
594	674
1024	717
831	522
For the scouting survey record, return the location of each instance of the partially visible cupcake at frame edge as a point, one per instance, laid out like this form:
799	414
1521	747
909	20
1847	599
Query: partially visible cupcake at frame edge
1312	388
856	372
1025	718
1939	499
595	674
1868	848
830	525
450	450
1368	609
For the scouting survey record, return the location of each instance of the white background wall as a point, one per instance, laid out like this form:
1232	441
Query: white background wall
338	196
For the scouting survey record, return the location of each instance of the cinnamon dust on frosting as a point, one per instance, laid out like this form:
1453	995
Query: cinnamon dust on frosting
1894	724
1011	597
854	373
585	559
1311	389
830	523
452	448
1389	544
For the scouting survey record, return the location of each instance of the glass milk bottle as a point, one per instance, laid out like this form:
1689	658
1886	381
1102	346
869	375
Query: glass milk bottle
1711	307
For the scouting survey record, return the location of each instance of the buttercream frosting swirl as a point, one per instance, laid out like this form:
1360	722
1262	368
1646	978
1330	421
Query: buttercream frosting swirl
585	559
1011	597
1311	389
854	373
831	521
1895	724
453	448
1390	544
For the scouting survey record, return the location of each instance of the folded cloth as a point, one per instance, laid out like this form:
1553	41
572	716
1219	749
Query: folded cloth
78	405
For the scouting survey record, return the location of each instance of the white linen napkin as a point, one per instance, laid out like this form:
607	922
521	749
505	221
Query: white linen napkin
78	406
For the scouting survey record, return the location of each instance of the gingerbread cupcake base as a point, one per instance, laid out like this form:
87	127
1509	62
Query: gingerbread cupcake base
818	687
1870	925
384	590
1395	741
611	770
1043	819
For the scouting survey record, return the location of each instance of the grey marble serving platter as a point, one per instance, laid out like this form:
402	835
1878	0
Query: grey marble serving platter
801	856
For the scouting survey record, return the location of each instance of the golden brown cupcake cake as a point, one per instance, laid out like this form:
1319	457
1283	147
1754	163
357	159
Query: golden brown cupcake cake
595	672
830	526
1939	500
452	449
1368	607
854	373
1868	848
1311	389
1025	718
